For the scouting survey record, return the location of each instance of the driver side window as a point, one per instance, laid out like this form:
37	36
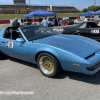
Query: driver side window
88	25
91	25
12	33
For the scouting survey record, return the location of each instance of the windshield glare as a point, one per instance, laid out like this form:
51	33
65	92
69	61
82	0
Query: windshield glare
37	32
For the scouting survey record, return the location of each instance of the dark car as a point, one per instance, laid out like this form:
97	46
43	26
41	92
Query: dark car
89	29
67	21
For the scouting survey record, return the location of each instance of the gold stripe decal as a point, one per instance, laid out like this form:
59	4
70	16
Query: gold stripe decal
20	52
76	64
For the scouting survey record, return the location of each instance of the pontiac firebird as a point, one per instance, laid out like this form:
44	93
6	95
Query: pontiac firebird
51	51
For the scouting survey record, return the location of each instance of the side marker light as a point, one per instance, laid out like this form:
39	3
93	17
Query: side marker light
76	64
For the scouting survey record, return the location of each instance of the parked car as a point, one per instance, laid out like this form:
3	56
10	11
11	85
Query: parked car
88	29
77	21
51	51
67	21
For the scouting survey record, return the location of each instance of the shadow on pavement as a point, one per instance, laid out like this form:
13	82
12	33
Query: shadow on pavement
92	79
22	62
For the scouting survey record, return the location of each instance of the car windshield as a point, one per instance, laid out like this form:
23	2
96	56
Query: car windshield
37	32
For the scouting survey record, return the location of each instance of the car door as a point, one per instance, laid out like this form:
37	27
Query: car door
92	30
84	31
87	32
14	48
80	28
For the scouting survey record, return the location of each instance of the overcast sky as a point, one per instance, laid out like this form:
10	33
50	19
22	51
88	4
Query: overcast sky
80	4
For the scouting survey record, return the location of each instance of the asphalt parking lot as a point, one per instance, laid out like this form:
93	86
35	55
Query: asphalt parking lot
17	75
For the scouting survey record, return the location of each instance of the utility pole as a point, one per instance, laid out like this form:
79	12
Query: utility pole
7	1
52	6
95	2
52	3
29	2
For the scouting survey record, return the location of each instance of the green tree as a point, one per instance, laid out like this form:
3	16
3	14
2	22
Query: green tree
85	10
92	8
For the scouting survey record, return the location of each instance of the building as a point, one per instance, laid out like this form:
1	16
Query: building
20	7
19	2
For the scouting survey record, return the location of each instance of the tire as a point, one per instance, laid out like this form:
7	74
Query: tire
1	55
48	65
76	33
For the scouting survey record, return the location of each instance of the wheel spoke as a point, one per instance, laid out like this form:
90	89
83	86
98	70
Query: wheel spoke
46	64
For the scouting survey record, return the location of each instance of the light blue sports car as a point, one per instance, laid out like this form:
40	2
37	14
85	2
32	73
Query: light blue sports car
51	51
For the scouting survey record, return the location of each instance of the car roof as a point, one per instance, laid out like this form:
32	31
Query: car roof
93	21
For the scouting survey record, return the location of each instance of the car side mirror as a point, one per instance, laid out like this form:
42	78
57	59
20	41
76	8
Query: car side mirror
20	40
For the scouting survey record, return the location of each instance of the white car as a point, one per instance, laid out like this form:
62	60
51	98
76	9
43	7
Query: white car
77	21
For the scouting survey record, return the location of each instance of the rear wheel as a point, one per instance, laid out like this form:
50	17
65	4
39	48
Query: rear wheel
48	65
76	33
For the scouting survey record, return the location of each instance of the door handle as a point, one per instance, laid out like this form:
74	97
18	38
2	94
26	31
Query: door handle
3	42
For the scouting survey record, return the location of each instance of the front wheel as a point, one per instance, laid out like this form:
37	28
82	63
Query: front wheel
1	55
48	65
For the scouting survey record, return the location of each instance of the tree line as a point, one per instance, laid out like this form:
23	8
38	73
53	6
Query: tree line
92	8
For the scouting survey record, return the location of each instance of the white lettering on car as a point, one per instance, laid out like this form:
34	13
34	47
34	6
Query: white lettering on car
9	44
95	31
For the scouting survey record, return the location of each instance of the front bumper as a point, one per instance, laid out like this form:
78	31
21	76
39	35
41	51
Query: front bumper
96	38
93	67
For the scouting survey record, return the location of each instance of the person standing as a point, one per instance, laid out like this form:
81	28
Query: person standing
15	23
56	21
44	22
28	21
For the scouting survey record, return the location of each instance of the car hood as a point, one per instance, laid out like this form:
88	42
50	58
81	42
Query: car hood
78	45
